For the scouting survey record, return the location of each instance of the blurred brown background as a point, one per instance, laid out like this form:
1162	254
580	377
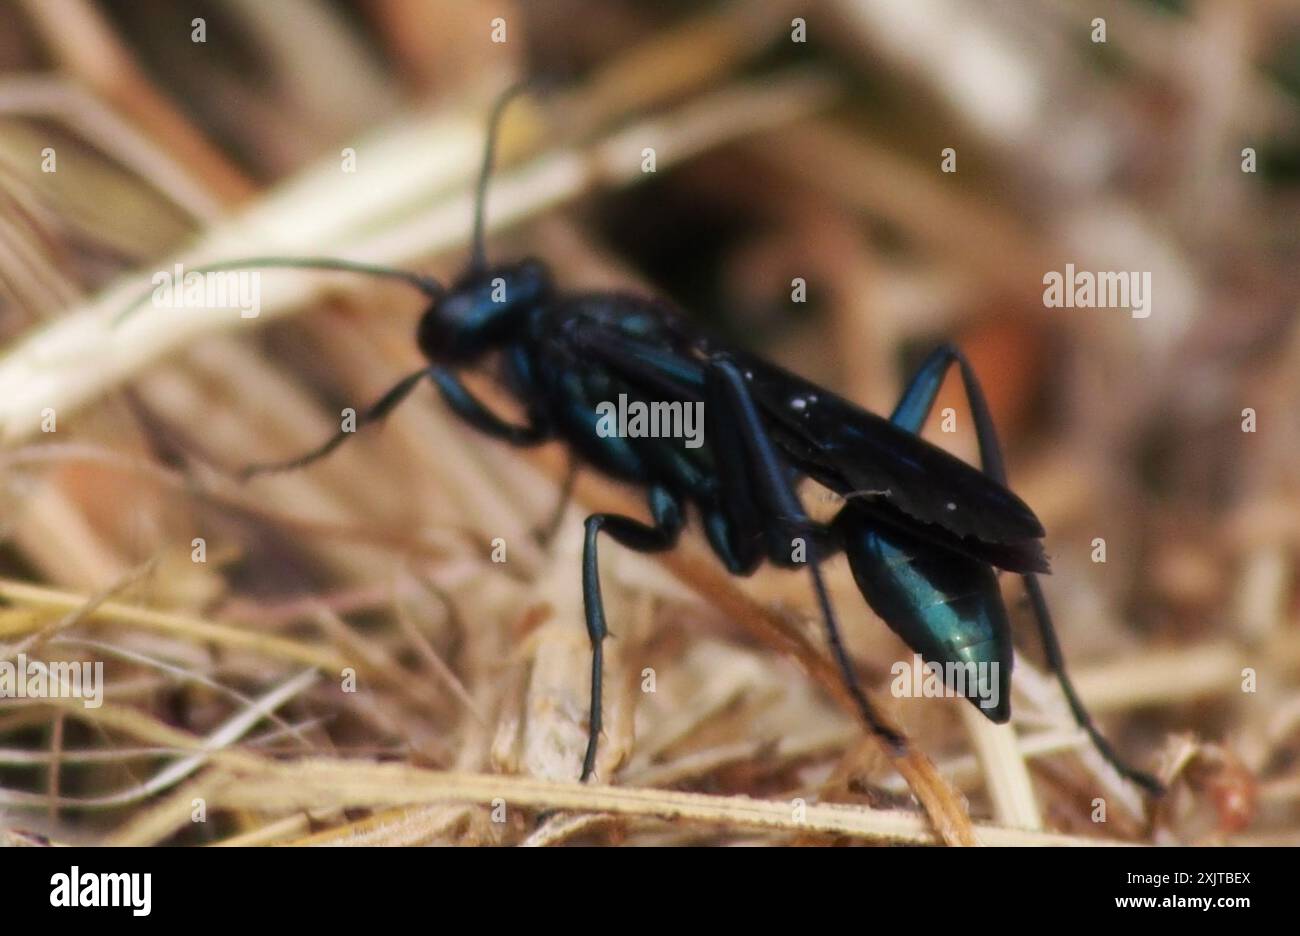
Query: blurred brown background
777	159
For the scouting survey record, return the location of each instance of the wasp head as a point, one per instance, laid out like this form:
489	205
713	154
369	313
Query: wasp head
482	311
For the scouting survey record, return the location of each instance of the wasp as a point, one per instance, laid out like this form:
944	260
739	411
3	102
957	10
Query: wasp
925	533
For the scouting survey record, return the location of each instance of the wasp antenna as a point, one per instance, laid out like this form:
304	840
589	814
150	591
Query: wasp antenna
478	259
426	284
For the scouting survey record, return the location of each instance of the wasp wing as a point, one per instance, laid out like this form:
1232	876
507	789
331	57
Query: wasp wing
856	453
859	454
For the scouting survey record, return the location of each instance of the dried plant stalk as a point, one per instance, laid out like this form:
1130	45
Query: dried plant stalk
318	784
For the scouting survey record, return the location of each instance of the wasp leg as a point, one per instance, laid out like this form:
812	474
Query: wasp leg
666	513
473	411
755	458
377	411
911	412
735	526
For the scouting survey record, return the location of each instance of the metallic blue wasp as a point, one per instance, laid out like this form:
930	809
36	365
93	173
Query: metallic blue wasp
924	544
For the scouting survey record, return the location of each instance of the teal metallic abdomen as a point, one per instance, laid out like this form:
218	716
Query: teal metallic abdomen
945	606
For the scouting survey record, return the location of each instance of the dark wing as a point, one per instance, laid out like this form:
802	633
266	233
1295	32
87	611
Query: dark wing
854	451
846	448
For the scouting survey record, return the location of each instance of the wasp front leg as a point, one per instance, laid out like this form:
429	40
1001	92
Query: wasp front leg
376	412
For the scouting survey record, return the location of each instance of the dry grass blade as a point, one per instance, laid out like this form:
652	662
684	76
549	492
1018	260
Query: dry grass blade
185	626
321	784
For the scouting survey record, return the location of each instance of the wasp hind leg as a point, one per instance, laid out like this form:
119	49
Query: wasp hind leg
911	412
